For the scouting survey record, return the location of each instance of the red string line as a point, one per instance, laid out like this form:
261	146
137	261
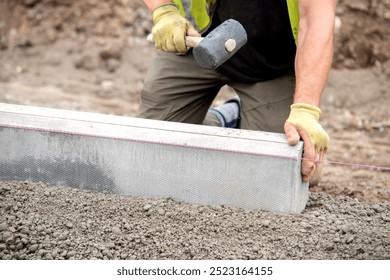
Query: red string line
349	164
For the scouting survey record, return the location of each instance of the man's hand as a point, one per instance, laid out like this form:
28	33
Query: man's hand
303	124
170	29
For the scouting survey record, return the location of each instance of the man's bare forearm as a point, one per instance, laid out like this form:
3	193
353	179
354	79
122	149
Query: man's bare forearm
153	4
315	49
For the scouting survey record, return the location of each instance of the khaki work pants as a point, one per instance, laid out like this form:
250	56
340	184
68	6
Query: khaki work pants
177	89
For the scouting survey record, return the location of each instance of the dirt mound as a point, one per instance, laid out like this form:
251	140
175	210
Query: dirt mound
363	33
31	22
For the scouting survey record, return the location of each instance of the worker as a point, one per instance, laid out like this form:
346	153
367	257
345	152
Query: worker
279	75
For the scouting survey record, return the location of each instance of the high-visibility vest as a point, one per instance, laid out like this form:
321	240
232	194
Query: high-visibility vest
199	13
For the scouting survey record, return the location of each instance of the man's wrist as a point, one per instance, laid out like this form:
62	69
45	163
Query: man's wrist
153	4
169	5
306	106
163	10
314	111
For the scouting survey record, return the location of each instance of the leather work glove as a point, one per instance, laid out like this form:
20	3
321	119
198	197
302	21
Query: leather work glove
303	123
170	29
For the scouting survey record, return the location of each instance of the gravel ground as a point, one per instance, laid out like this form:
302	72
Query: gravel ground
38	221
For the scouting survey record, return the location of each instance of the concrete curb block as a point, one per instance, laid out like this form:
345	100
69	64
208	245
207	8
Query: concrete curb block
149	158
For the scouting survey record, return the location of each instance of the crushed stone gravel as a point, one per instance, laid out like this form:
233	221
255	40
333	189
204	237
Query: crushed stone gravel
39	221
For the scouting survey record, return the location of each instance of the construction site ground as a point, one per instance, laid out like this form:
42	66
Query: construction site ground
93	56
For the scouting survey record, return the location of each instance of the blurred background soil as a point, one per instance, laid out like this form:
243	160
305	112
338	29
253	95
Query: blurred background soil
92	56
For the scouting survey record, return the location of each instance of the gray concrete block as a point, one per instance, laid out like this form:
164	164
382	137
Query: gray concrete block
149	158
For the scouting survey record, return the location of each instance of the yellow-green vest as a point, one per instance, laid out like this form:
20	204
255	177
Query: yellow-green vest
199	12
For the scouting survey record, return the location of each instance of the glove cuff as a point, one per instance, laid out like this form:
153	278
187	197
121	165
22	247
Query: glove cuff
163	10
306	108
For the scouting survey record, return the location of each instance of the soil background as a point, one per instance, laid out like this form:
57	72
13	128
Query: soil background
93	56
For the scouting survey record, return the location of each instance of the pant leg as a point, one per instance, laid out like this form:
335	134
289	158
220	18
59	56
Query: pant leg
211	120
177	89
266	105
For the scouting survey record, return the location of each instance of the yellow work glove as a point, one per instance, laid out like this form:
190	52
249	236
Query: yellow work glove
170	29
303	124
